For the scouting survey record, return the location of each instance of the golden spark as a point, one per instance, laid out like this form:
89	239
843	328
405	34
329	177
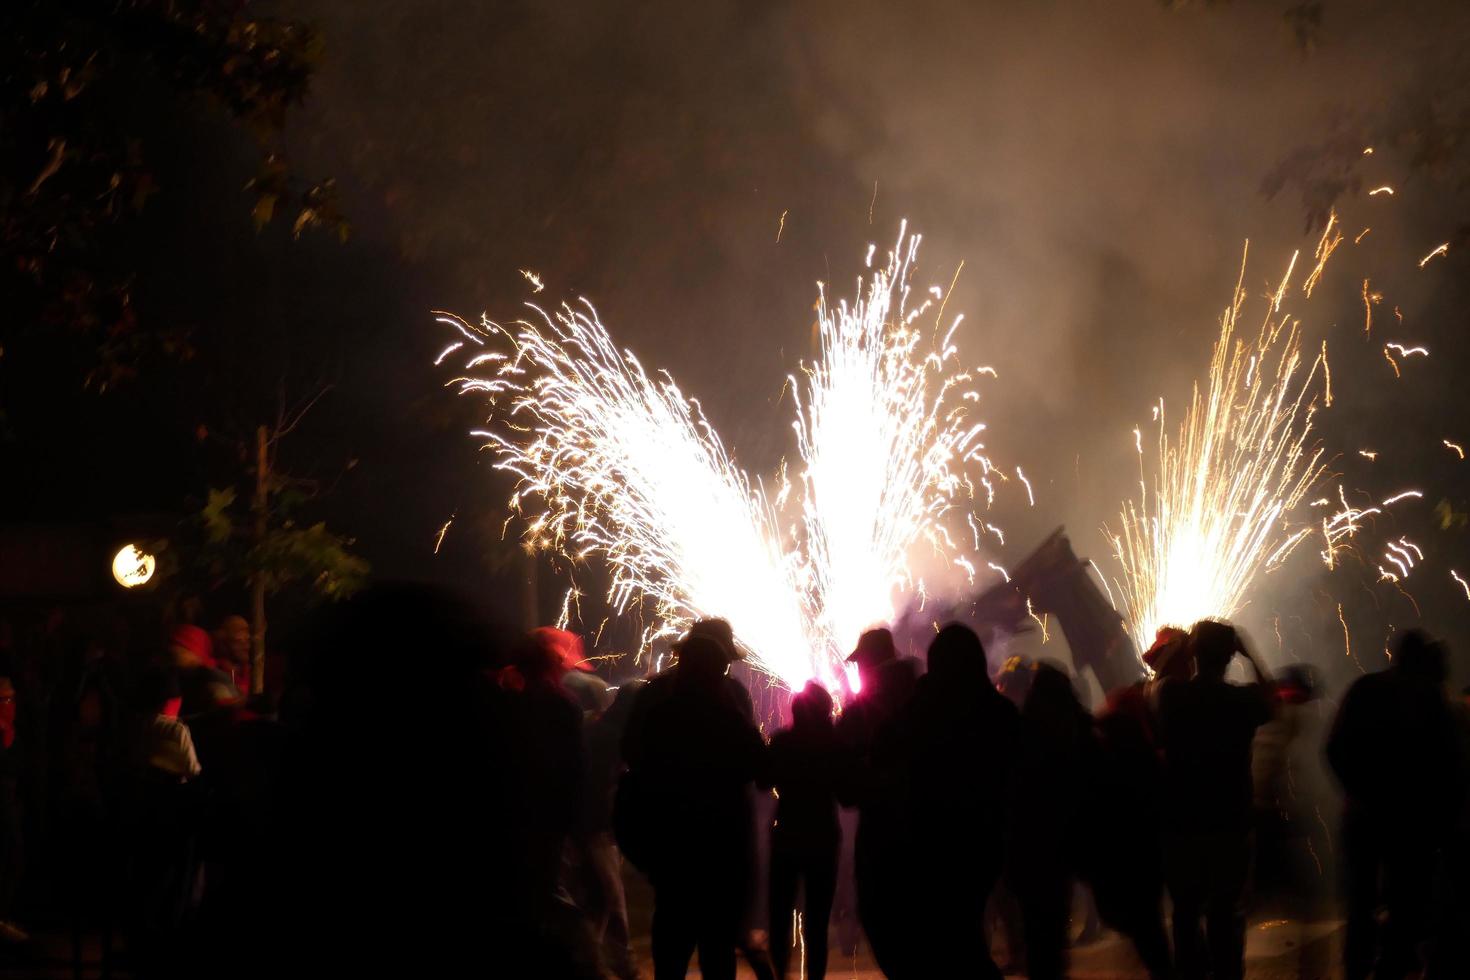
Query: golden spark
1463	584
1192	543
1442	249
439	538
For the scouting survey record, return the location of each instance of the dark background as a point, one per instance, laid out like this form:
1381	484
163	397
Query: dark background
1097	166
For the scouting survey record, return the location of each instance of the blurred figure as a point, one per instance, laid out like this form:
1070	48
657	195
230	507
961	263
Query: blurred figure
1394	748
1013	680
552	755
960	739
1450	956
1126	860
1207	727
12	840
1057	762
602	864
693	751
802	768
578	676
162	826
872	781
232	649
409	809
166	747
203	685
243	782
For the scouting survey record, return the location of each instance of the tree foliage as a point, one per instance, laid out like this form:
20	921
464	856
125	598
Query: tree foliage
89	90
1427	126
289	556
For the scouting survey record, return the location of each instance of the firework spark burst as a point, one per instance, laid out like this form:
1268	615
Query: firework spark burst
884	435
1217	512
625	469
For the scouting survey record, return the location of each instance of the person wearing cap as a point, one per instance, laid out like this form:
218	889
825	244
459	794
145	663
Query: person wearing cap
693	751
870	780
1395	749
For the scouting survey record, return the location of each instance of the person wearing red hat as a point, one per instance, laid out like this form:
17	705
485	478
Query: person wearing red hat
205	687
575	670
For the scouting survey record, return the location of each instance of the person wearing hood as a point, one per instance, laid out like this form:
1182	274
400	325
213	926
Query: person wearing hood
1053	789
959	739
802	769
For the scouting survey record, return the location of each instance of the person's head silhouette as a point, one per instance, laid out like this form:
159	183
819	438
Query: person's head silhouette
1214	644
957	655
811	707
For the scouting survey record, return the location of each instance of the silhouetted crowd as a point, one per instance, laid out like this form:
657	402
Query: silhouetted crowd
427	795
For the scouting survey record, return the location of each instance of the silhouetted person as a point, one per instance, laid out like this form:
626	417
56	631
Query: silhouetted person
1395	749
872	773
205	687
1294	867
232	651
551	719
605	901
1126	863
693	749
1450	954
414	803
13	748
959	745
1013	681
162	826
1053	788
1207	727
802	767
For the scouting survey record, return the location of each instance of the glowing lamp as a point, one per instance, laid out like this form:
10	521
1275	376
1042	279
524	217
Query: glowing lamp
132	567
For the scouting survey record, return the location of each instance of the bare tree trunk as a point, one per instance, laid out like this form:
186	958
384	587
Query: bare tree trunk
260	506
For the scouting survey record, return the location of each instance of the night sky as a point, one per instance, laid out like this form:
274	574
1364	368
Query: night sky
1096	166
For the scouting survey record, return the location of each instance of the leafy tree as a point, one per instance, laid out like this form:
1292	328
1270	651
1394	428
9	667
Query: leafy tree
261	545
91	91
